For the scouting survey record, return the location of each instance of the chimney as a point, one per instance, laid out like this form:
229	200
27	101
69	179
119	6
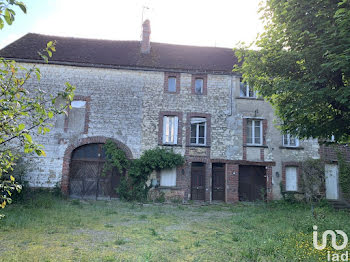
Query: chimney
146	33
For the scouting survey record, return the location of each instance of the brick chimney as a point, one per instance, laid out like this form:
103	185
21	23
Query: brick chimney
146	33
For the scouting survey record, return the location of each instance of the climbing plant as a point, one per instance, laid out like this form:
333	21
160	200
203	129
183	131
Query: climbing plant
344	176
133	185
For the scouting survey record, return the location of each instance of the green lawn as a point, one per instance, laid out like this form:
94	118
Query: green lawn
51	229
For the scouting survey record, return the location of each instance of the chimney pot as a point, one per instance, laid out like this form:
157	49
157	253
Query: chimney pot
146	33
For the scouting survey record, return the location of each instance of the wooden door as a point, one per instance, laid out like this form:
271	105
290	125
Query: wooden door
87	179
198	181
218	176
252	183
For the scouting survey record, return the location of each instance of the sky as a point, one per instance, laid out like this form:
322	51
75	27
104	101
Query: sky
221	23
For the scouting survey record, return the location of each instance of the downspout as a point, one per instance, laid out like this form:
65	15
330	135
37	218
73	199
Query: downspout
231	99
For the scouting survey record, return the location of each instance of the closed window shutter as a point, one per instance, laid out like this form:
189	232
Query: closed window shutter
168	177
291	178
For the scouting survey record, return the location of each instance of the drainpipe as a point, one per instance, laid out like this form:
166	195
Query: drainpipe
231	99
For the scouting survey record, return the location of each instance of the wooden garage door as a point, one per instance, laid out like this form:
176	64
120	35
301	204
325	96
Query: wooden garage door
252	183
198	181
86	176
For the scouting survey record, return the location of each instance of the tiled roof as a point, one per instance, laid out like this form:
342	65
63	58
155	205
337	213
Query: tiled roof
112	53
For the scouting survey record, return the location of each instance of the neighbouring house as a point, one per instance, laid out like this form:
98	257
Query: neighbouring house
145	95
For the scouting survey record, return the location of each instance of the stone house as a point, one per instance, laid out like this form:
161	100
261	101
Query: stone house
145	95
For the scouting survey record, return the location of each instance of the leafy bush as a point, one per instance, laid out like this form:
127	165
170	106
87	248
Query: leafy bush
133	185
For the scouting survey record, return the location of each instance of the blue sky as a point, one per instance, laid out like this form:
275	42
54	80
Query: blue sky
194	22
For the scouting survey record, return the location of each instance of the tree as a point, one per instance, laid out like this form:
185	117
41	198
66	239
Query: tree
25	109
302	66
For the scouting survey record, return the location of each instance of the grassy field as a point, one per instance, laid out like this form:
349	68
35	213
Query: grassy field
52	229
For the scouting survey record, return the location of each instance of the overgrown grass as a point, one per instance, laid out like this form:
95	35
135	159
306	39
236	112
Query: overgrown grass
52	229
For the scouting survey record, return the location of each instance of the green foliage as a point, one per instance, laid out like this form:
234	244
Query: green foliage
312	179
302	66
7	13
133	185
25	109
344	176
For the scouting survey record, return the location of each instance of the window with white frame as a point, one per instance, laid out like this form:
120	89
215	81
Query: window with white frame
168	177
170	129
290	141
291	178
198	131
246	90
254	132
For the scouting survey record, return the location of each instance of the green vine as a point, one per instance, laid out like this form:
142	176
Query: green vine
133	185
344	176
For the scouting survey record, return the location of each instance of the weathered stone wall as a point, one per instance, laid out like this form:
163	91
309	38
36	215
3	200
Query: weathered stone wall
115	101
274	151
127	105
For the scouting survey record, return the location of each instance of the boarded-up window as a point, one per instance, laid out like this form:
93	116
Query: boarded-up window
76	116
291	178
168	177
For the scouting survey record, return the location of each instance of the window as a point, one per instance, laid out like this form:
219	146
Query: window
76	121
254	132
170	129
246	90
290	141
199	84
172	84
198	131
291	178
168	177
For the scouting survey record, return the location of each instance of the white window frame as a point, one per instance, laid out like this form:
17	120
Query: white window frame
247	89
289	137
294	187
170	130
253	132
197	119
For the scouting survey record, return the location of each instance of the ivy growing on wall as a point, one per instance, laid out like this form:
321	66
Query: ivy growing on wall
133	185
344	176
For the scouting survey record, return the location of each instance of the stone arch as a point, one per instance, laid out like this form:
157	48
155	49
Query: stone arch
84	141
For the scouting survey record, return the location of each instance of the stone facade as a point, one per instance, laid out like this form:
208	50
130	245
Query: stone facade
128	106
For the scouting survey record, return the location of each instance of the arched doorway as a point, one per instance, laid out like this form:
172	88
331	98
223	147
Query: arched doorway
86	177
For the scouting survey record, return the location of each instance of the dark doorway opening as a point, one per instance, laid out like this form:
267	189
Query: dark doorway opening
86	178
252	183
218	176
198	181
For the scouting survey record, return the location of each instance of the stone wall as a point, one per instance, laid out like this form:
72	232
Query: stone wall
128	105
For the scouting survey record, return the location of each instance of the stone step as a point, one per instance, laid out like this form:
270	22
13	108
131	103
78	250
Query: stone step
339	204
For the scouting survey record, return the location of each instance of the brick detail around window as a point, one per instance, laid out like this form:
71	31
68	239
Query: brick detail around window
264	126
292	164
178	79
87	113
262	152
179	127
232	174
84	141
188	127
205	83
